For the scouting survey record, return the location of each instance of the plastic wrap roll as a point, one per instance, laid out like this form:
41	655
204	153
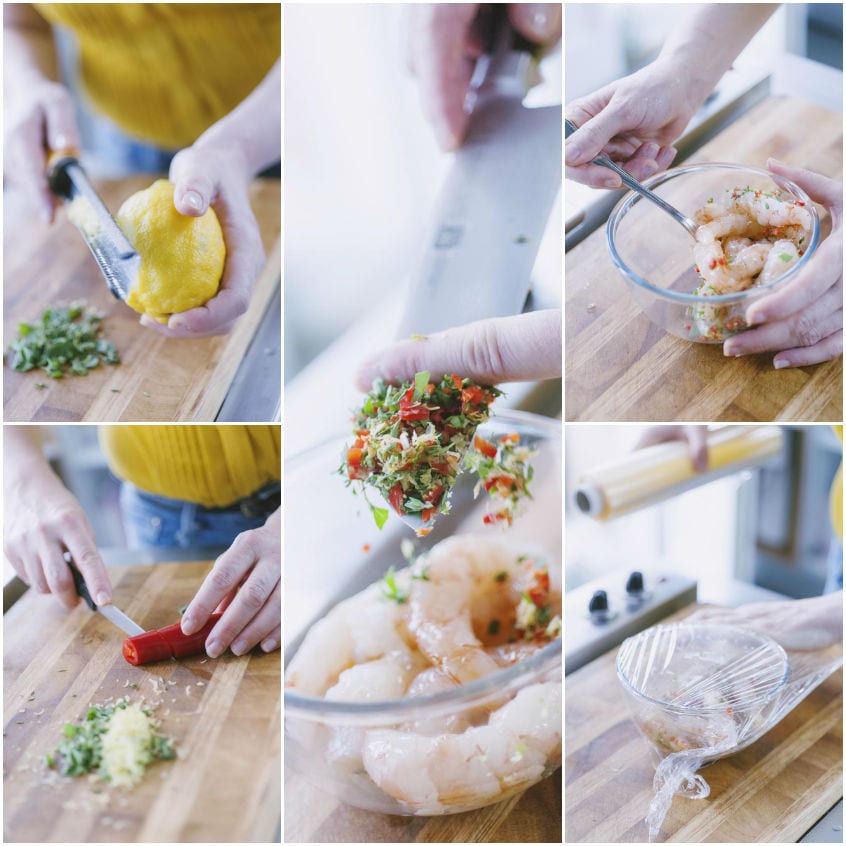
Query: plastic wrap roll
657	472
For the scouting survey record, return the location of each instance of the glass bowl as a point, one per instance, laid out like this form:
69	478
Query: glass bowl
699	686
655	253
436	766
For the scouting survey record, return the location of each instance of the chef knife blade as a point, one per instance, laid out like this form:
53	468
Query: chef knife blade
110	612
115	256
493	207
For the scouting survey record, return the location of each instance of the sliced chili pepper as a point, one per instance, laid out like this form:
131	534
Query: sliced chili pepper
412	410
354	468
169	642
395	498
457	381
484	446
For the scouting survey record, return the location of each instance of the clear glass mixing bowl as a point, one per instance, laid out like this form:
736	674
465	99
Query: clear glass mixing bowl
332	551
655	253
696	686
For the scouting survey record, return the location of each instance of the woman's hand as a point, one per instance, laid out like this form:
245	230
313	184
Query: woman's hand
245	581
211	175
43	520
634	121
799	624
525	347
802	322
442	50
694	435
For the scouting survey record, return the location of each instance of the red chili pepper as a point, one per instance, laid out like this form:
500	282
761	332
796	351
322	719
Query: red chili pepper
169	642
473	395
365	547
713	264
484	446
434	495
513	438
395	498
412	410
354	468
457	381
800	202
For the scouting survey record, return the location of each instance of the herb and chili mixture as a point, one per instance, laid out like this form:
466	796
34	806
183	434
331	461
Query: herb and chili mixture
412	441
63	339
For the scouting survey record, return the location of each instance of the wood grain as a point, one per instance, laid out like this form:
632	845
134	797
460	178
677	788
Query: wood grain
161	379
772	791
622	367
314	816
223	714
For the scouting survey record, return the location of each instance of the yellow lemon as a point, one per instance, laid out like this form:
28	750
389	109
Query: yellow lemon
181	257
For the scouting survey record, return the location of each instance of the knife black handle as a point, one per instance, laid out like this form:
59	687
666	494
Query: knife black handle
57	175
79	583
492	25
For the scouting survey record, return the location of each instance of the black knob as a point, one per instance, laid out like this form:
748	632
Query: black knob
598	602
635	582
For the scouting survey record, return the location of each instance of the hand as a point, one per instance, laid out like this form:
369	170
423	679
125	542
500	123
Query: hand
525	347
633	120
696	437
802	322
443	48
798	624
43	520
211	175
245	581
37	123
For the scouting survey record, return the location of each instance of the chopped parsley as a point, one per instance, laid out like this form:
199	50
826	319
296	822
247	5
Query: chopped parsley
391	590
64	339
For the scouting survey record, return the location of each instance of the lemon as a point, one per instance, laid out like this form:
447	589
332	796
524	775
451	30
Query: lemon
181	257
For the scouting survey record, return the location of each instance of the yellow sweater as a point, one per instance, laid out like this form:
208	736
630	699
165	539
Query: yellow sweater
210	465
164	72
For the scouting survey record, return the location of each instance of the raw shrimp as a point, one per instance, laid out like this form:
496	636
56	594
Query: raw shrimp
519	744
362	628
460	575
782	256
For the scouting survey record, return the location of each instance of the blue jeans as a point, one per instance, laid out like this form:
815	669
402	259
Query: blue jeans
151	520
834	577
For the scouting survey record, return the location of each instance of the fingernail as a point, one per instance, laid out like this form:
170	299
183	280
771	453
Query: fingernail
650	151
269	645
213	649
102	598
780	363
612	182
193	200
753	318
239	647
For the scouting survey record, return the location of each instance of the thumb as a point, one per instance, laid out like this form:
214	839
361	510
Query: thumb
820	188
503	349
587	142
539	22
193	188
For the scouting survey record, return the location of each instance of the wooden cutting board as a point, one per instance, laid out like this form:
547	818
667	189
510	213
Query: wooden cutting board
224	716
314	816
621	366
772	791
161	379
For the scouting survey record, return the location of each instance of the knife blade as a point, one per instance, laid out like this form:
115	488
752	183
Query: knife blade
494	205
115	256
111	612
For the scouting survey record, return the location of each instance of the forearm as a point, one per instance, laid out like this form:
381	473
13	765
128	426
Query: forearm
704	46
22	455
29	53
253	128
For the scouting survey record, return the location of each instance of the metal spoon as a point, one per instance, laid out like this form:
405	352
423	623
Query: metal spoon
603	161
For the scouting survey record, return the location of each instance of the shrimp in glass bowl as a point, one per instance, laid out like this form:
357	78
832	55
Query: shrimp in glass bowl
754	235
425	681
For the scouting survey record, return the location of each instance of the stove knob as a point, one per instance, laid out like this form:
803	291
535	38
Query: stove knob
598	605
634	585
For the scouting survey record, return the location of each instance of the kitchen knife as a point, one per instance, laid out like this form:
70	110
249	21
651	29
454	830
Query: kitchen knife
110	612
495	202
115	256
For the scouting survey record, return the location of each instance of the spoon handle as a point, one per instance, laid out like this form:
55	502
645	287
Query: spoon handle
603	161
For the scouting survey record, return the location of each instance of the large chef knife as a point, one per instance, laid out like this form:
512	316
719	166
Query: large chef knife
110	612
495	203
115	256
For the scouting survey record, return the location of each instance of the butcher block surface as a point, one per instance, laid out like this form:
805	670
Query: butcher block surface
159	378
224	716
622	367
773	791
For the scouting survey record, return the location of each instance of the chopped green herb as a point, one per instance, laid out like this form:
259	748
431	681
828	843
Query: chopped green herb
63	339
785	256
521	239
420	382
391	590
502	575
380	515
